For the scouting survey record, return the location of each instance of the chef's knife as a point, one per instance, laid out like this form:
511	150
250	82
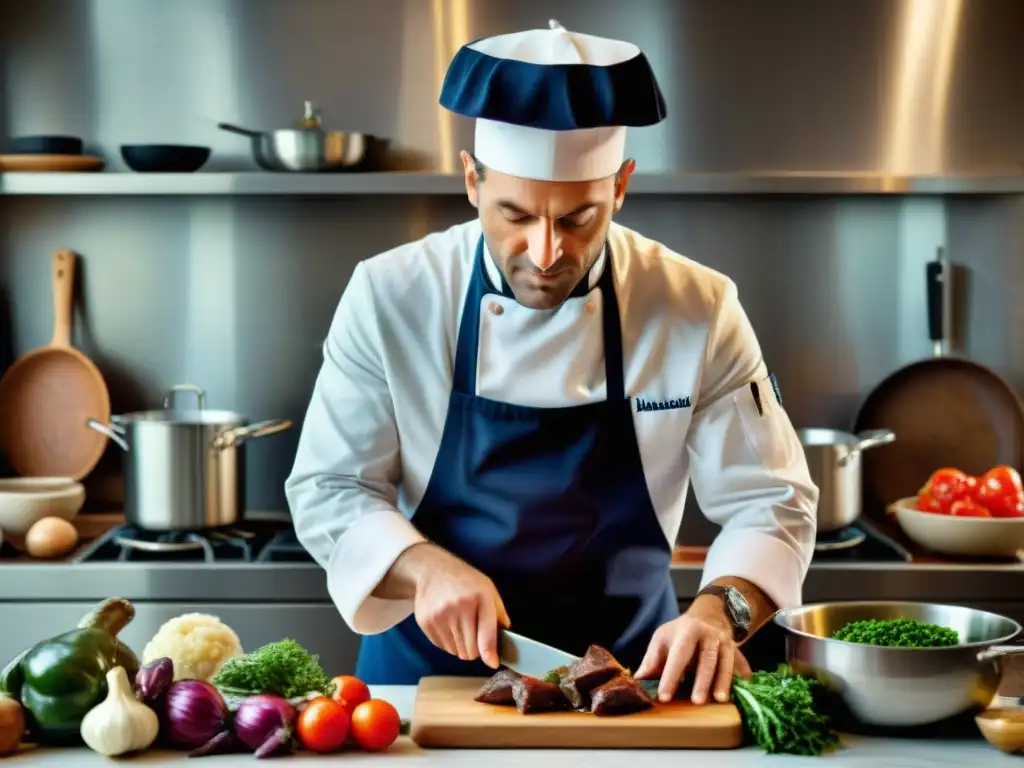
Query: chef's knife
529	657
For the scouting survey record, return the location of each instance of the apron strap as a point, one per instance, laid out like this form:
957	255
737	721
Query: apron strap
468	346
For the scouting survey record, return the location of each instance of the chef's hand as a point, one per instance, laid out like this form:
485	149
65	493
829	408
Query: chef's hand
702	634
459	609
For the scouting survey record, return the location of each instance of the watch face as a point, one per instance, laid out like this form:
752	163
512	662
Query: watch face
739	612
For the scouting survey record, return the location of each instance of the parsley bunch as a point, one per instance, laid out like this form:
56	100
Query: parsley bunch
778	713
284	669
898	633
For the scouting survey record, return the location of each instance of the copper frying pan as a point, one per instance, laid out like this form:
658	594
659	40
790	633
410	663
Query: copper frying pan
49	394
946	411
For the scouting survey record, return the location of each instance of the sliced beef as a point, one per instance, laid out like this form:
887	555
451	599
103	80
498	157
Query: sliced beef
622	695
532	694
498	688
528	694
584	675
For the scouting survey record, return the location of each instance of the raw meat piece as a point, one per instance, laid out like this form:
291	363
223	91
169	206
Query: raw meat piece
596	667
532	694
498	688
528	694
621	695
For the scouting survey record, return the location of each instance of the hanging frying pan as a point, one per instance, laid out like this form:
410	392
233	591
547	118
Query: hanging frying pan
946	411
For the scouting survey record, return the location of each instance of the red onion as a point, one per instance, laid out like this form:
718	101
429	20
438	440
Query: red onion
263	723
194	713
153	679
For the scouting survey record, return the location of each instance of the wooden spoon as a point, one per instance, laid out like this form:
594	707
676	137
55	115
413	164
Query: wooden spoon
49	394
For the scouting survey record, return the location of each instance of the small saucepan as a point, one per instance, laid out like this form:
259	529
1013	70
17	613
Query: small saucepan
307	148
185	470
901	687
833	458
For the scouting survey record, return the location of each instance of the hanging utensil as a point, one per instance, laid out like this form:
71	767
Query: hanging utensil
47	396
947	410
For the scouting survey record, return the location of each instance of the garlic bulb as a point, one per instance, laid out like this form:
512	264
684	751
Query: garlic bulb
119	724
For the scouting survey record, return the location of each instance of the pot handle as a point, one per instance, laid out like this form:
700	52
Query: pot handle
868	439
197	391
111	431
232	438
238	129
998	651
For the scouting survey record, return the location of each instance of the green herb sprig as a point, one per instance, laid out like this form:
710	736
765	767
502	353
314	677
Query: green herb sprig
779	715
283	668
898	633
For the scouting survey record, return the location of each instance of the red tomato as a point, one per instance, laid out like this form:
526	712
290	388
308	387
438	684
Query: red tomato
375	725
927	503
968	508
946	486
323	725
350	692
1000	490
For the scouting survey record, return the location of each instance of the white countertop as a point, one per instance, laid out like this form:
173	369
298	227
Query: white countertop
857	752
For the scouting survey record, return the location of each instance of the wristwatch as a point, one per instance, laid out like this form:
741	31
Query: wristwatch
736	608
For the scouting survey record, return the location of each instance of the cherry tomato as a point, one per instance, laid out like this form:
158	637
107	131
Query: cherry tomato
927	503
968	508
1000	490
350	692
946	486
375	725
323	725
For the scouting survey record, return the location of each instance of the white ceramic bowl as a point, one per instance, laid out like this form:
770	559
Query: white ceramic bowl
960	536
25	500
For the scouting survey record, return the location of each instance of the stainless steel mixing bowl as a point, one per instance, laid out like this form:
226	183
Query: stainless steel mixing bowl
899	687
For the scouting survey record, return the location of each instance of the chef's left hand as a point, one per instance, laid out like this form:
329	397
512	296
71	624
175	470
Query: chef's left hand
704	633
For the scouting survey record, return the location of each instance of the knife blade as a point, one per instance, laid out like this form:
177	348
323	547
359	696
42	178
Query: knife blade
530	657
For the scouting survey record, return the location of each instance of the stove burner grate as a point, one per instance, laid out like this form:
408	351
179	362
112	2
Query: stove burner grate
132	540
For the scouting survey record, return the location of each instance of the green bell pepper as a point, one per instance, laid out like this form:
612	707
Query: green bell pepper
59	680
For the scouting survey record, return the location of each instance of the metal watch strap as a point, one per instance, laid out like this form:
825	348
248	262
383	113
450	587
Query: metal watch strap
736	608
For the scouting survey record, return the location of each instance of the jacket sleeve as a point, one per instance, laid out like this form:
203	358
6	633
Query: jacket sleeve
749	471
342	487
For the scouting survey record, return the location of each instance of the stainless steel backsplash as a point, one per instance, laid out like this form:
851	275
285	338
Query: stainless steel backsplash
235	294
921	86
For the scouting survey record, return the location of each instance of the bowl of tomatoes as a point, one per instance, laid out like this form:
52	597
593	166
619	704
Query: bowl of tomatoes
956	513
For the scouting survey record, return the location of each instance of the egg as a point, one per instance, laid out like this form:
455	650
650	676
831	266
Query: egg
51	537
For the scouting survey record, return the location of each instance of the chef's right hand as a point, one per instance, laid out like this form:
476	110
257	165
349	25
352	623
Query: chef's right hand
459	610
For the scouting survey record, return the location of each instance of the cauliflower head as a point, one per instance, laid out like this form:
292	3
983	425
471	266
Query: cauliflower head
197	643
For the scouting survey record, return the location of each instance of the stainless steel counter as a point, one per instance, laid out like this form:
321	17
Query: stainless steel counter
268	601
855	751
302	582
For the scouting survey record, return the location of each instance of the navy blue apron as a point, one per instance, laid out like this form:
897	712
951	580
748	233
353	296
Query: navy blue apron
551	504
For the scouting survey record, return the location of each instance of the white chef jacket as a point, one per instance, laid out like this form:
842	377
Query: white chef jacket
377	412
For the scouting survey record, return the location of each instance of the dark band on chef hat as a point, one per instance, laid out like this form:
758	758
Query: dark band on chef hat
556	97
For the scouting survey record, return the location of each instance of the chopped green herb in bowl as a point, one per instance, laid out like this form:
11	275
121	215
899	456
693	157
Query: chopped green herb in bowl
897	633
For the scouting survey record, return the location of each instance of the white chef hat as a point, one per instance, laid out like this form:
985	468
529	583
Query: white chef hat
551	104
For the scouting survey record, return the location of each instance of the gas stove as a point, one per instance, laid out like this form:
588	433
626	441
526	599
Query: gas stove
247	542
860	542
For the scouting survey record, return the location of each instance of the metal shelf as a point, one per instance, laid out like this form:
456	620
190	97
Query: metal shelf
400	183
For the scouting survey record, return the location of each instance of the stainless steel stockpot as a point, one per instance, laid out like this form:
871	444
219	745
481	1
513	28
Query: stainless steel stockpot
184	469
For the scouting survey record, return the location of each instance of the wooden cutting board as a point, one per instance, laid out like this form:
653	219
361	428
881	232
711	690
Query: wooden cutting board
445	715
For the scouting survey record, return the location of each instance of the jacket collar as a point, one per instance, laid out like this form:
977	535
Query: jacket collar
585	286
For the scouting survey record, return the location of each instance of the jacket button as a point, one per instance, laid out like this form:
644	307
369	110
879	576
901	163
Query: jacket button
496	308
589	306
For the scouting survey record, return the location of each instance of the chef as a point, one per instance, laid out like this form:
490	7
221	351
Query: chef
510	412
